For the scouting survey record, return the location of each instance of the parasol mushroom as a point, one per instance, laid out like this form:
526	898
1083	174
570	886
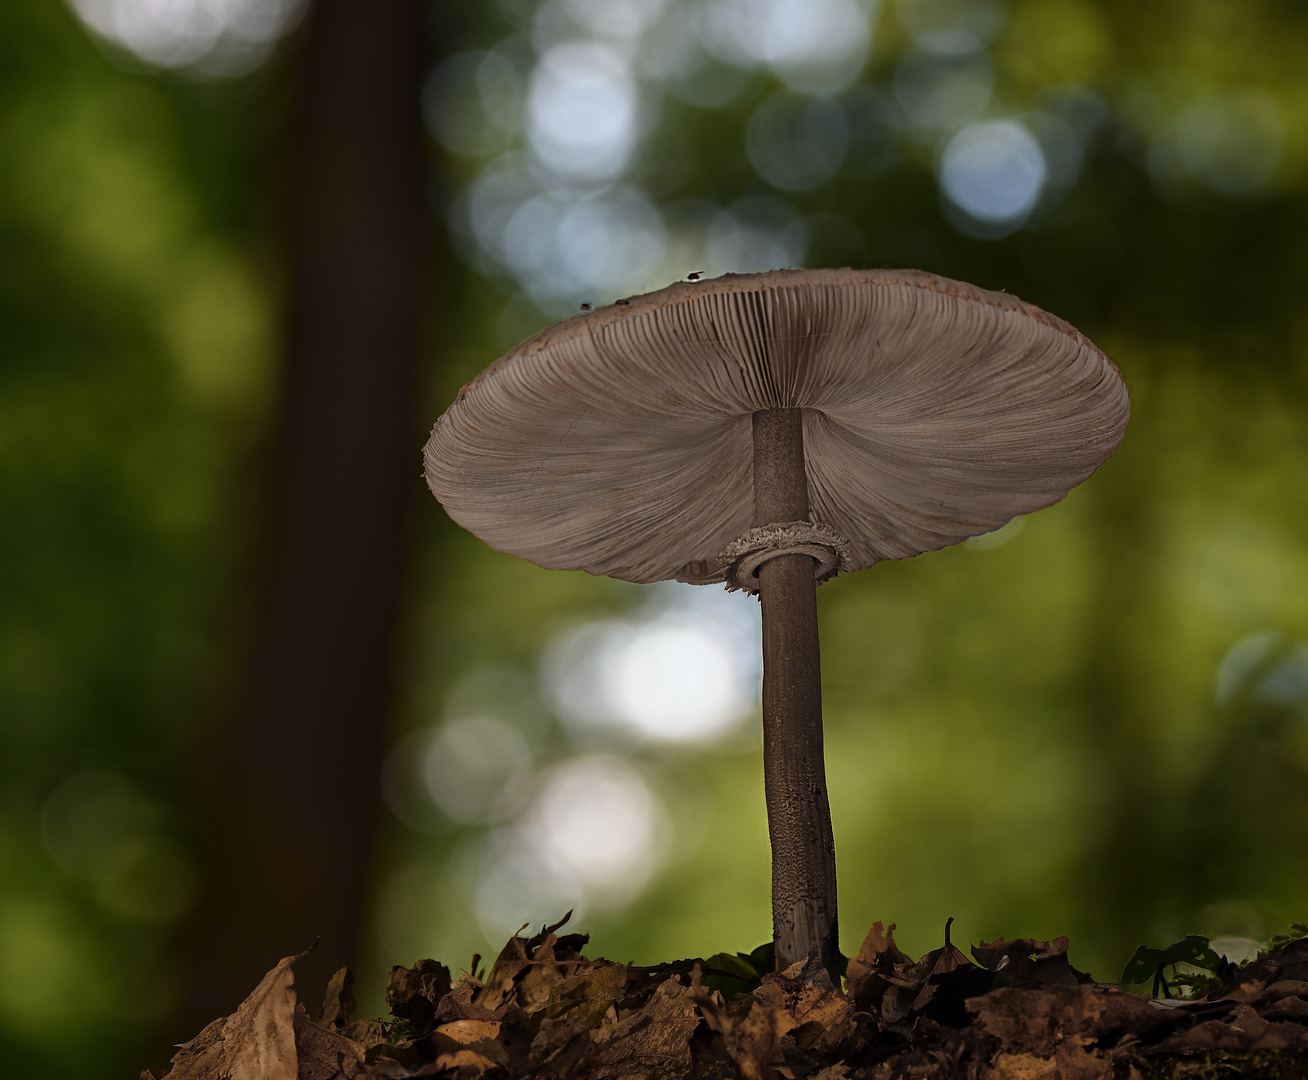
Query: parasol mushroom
769	431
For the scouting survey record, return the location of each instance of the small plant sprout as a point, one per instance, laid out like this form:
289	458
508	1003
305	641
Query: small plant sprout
770	431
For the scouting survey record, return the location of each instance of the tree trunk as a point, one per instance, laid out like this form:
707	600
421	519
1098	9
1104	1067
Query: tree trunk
292	786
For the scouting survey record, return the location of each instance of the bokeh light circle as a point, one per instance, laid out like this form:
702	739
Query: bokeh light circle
994	171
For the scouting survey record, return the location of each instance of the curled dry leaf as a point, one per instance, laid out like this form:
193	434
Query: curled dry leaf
479	1035
936	987
462	1065
413	993
323	1052
261	1034
1037	1020
650	1041
824	1017
866	978
752	1035
1243	1029
1028	960
574	1006
257	1042
339	1003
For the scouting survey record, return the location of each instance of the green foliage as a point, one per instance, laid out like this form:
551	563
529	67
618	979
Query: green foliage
739	973
1150	963
1297	932
1208	971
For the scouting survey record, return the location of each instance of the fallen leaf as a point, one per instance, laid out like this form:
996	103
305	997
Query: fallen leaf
211	1033
652	1041
261	1033
1025	959
831	1072
323	1053
1244	1029
1075	1062
1034	1020
936	986
414	993
878	955
367	1033
539	962
1287	1006
1024	1067
464	1064
479	1035
498	987
458	1003
826	1020
574	1007
824	1017
339	1003
751	1030
546	1012
257	1042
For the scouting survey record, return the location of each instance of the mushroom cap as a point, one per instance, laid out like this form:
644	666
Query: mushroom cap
620	442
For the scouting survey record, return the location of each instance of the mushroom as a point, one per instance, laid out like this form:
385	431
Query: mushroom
769	431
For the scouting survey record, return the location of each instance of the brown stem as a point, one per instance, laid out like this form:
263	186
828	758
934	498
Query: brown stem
794	774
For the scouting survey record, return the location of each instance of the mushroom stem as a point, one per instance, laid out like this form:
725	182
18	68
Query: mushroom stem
794	773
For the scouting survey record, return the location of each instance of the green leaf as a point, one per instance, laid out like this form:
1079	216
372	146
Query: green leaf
763	959
1192	949
739	973
1280	941
734	964
1142	966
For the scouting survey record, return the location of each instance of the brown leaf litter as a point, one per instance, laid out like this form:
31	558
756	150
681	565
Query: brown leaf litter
1015	1010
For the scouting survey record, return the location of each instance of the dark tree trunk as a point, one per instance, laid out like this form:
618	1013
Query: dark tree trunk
292	785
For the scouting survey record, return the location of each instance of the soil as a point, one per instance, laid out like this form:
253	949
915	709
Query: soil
1014	1010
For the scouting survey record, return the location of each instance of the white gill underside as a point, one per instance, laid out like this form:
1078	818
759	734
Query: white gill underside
620	442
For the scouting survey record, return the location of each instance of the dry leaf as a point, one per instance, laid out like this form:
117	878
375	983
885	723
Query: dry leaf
464	1065
1036	1020
257	1042
324	1053
339	1003
936	986
1075	1062
1024	1067
826	1020
499	986
651	1041
261	1033
557	1014
865	976
483	1036
1028	960
1292	1006
574	1007
751	1030
414	993
540	962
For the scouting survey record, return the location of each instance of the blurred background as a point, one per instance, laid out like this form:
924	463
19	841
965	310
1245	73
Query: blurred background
255	688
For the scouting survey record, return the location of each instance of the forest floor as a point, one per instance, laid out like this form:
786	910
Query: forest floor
1014	1010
